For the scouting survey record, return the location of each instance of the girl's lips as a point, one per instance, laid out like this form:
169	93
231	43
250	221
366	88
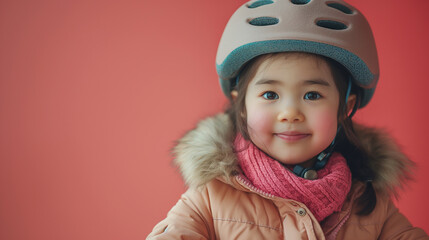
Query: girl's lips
292	136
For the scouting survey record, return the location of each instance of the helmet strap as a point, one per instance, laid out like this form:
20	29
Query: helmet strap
323	157
234	84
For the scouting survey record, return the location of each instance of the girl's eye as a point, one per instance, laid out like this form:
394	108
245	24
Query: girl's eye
270	95
312	96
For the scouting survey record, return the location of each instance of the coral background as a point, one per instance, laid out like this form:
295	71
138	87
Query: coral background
93	95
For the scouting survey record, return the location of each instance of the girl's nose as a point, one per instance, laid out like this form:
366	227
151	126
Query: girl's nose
291	115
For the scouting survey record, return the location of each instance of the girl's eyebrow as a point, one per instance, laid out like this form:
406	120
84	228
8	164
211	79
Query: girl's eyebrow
316	81
267	81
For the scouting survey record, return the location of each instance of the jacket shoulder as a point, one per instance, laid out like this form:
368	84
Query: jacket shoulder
218	210
385	222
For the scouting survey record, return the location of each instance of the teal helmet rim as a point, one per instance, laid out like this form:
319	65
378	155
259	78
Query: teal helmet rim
361	74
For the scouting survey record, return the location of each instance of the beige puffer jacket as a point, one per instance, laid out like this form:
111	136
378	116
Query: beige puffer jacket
221	205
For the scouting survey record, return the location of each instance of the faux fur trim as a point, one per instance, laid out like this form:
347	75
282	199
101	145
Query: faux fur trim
391	166
206	153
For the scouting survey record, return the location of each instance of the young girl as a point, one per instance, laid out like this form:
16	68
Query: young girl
286	161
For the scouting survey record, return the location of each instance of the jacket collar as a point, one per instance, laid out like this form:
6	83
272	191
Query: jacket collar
206	152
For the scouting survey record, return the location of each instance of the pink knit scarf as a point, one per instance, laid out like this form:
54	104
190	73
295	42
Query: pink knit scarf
323	196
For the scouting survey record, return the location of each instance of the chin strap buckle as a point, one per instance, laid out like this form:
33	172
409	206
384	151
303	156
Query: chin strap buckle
310	174
307	173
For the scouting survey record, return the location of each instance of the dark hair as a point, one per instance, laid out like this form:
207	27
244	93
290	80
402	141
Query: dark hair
347	141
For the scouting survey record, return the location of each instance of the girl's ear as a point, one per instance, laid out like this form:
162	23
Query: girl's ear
351	103
234	94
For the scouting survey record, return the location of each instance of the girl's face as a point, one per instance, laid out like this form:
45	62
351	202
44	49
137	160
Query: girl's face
292	105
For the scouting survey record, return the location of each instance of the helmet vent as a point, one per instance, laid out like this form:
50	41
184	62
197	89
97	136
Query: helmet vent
263	21
300	2
331	24
259	3
340	7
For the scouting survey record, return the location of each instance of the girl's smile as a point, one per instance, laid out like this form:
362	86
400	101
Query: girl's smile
291	107
292	136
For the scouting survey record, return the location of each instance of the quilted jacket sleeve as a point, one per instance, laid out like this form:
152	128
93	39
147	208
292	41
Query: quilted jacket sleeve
190	218
397	226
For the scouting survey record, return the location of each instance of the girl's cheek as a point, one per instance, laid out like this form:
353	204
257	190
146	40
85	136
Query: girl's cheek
325	122
258	121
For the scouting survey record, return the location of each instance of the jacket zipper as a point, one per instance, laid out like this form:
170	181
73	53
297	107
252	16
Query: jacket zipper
244	182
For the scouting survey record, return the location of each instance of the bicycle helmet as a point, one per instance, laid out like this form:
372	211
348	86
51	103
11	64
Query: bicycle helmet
331	28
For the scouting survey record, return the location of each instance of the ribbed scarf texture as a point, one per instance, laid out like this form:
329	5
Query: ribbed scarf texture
323	196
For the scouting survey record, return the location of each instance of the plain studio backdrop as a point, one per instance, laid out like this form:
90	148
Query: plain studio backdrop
93	95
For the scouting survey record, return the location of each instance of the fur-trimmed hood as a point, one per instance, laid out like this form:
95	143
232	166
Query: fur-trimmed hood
206	152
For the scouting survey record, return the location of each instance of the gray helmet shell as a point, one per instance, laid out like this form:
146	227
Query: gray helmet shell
333	29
